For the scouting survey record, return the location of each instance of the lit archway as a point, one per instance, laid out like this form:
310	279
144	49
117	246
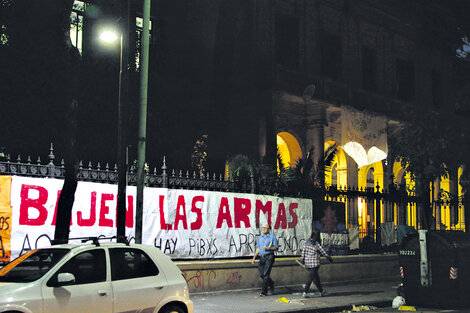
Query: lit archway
402	178
404	214
376	176
338	174
370	176
450	214
288	148
461	208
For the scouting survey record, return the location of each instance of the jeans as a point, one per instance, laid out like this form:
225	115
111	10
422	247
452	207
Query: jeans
313	276
264	267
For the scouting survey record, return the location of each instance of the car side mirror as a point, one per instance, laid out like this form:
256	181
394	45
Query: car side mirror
64	279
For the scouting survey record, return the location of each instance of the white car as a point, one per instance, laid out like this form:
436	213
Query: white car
101	278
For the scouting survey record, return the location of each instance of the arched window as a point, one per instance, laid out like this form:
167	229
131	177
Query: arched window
288	148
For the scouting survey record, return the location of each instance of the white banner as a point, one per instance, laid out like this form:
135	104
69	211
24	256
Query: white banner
183	223
363	136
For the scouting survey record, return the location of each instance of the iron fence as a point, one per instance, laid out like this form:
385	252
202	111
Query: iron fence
367	209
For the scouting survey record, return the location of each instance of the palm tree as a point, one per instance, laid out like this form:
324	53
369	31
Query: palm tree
307	176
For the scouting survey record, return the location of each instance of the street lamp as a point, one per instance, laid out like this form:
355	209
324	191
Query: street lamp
110	36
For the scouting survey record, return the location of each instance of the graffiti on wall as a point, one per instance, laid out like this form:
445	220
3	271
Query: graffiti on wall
207	280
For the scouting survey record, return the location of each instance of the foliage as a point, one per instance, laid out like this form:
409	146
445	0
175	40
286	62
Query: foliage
5	8
135	165
242	167
305	175
283	168
429	145
3	153
199	156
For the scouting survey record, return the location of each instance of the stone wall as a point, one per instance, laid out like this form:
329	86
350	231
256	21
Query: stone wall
226	275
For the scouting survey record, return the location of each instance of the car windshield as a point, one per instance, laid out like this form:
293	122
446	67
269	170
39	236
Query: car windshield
31	266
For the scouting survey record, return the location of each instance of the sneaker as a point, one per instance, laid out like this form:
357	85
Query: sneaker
262	294
304	294
324	293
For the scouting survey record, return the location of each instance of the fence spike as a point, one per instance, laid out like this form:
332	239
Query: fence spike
155	170
115	167
98	166
62	162
164	164
173	173
89	165
180	174
107	166
214	177
29	159
207	176
51	155
194	174
8	157
187	174
80	164
38	161
18	159
220	177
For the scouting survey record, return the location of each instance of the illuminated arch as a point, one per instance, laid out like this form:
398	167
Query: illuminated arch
367	211
442	212
459	175
339	168
378	170
402	179
288	148
460	194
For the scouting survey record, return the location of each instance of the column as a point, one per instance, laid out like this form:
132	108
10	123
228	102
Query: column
315	137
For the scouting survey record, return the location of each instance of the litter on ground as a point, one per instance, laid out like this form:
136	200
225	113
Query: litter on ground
360	308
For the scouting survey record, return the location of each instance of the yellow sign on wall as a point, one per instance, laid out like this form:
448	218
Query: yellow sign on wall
5	218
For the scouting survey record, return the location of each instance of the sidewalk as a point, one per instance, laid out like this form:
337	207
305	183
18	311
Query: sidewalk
339	297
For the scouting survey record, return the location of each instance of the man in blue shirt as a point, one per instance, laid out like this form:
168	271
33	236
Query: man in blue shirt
265	247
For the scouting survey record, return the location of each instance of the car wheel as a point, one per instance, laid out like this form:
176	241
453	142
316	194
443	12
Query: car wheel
172	309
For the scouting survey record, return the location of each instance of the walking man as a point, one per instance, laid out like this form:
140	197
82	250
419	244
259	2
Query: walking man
311	252
265	247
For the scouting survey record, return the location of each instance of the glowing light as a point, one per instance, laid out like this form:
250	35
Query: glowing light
109	36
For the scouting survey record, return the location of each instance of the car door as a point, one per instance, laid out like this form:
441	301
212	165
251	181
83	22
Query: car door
137	282
90	292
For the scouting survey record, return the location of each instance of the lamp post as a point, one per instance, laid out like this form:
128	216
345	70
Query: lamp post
123	36
141	140
122	104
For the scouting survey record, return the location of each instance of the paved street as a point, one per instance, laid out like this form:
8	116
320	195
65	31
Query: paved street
377	296
340	297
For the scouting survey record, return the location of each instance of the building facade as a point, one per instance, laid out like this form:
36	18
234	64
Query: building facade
298	76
